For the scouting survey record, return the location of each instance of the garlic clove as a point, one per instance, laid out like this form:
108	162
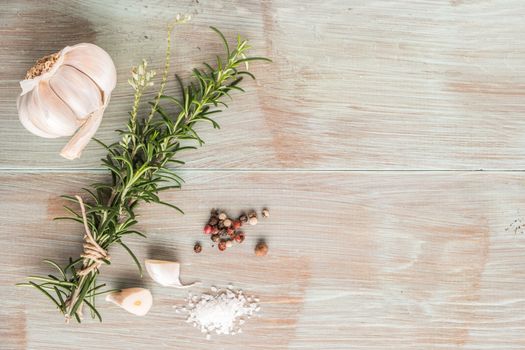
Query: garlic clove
165	273
78	91
37	115
95	63
73	149
31	118
58	115
137	301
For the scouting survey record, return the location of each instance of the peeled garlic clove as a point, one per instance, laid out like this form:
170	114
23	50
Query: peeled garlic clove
137	301
67	92
165	273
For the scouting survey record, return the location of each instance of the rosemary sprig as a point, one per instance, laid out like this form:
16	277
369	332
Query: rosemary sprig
140	168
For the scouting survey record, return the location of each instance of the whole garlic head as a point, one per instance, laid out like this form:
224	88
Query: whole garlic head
67	92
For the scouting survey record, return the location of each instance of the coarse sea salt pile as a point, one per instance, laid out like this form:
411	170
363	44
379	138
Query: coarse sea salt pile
222	311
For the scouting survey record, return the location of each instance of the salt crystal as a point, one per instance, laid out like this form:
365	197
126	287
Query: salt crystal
221	312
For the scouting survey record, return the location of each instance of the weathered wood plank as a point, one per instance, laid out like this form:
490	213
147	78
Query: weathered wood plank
355	84
416	260
357	260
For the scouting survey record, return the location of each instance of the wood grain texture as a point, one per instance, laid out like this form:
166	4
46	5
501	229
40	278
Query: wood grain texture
362	254
360	261
354	85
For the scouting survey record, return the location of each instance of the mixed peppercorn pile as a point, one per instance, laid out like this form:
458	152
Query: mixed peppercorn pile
224	231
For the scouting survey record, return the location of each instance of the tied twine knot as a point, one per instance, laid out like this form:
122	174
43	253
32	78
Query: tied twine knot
94	255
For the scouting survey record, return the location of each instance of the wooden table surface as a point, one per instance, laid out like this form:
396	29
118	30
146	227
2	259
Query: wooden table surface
387	139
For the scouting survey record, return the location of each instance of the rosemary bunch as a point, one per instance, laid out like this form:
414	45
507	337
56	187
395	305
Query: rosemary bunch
140	167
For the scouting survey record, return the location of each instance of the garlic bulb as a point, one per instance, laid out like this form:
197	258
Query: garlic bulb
67	92
137	301
165	273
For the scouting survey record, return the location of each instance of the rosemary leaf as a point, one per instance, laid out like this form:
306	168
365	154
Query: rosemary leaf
139	167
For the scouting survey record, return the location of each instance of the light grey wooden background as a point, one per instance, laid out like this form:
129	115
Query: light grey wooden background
387	139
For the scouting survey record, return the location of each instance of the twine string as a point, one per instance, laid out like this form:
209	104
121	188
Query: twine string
94	255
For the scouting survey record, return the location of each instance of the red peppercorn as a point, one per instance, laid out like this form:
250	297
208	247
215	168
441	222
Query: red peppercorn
208	229
231	232
236	224
222	245
239	237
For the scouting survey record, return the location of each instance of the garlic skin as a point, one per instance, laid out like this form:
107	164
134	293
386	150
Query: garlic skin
68	96
165	273
137	301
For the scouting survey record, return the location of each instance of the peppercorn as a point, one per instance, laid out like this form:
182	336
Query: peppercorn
239	237
261	249
236	224
223	230
197	248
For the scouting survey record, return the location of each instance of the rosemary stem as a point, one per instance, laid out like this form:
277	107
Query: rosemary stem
139	168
